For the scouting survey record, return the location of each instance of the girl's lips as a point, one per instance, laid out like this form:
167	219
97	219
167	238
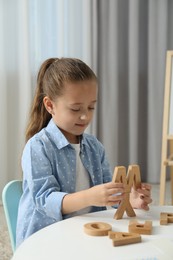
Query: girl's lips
81	125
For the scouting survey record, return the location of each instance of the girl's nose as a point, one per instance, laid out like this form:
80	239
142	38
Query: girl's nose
83	117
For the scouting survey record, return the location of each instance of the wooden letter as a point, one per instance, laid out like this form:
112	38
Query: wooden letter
132	179
135	227
124	238
97	228
166	218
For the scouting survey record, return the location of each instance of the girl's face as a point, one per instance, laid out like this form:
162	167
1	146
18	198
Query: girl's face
73	111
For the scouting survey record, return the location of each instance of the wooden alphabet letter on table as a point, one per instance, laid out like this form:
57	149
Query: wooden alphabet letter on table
136	227
166	218
97	228
133	178
124	238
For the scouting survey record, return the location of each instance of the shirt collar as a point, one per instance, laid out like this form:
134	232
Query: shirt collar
58	137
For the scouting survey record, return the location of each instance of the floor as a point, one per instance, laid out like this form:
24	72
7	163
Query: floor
5	248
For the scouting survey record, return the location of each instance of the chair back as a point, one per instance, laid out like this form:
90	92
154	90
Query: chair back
10	198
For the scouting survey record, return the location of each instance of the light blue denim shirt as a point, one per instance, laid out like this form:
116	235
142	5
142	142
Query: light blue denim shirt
49	173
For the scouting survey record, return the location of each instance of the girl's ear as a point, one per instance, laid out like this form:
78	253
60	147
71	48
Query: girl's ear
48	104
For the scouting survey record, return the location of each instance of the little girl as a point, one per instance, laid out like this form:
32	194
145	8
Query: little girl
65	171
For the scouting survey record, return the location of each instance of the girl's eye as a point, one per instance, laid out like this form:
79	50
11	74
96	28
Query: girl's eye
78	109
75	110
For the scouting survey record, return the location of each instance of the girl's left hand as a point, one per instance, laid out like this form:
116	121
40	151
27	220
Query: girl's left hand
141	197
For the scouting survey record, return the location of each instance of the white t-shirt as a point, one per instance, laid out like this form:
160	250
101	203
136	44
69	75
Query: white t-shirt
83	180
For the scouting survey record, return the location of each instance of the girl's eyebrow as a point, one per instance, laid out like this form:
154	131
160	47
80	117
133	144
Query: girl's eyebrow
73	104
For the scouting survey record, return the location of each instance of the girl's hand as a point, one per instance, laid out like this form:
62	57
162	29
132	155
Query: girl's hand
141	197
107	194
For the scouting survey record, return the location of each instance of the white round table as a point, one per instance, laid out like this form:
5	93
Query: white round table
67	240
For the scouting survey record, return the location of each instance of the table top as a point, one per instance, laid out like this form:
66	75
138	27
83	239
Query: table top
67	240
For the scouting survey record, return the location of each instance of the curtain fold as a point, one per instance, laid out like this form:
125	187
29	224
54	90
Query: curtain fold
133	37
15	86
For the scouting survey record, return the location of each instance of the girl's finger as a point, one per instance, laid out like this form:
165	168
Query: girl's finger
147	200
116	197
117	191
144	192
146	186
145	207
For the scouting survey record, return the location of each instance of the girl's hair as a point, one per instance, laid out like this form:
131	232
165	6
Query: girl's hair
52	75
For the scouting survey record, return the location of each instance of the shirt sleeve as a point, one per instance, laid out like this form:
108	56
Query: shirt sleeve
107	175
42	184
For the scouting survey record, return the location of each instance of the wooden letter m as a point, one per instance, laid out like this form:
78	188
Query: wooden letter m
131	179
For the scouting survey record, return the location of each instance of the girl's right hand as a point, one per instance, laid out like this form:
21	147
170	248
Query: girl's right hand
107	194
